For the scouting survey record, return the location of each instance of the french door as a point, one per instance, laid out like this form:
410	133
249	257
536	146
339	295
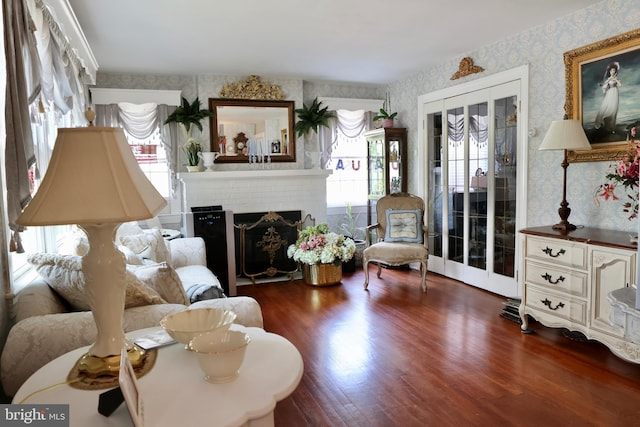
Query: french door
472	179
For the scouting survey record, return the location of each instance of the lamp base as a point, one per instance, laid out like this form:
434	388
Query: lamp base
564	226
95	366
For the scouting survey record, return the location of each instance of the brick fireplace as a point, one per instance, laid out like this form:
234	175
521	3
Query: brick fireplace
251	194
258	191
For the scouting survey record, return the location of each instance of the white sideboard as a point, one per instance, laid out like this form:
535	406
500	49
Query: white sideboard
568	277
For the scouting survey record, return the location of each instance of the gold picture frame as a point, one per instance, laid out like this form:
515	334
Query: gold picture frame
587	74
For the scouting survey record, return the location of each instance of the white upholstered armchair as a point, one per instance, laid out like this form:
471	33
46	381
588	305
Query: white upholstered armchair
400	235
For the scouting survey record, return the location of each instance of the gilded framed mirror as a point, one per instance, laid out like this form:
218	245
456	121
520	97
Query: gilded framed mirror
243	127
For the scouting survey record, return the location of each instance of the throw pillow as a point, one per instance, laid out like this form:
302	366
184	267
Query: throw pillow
147	245
163	279
203	292
64	274
403	225
129	256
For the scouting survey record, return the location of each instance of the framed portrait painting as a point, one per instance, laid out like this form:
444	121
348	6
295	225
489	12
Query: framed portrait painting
602	90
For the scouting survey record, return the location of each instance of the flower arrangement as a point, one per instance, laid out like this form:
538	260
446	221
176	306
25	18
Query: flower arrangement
625	173
317	245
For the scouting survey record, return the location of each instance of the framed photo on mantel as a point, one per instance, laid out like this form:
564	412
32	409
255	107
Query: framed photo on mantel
602	86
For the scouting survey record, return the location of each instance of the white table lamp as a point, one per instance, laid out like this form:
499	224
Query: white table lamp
565	135
94	181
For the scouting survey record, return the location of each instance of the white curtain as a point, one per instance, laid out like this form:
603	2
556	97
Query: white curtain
141	121
350	123
22	85
169	138
478	129
62	73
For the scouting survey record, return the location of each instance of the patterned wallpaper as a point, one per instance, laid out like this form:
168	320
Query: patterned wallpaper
541	47
209	85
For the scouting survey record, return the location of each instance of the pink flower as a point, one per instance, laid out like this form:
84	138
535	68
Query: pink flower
608	192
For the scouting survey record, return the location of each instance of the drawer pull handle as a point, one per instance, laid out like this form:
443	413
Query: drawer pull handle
548	304
547	277
549	251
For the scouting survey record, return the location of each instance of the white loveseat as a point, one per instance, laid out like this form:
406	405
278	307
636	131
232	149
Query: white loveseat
47	325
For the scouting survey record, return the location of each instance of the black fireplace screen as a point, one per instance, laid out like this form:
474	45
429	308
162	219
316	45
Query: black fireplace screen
262	240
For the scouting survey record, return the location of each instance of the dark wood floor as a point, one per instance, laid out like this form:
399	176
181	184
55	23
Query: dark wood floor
394	356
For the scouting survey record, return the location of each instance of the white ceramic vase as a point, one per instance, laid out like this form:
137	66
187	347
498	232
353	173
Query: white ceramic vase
208	159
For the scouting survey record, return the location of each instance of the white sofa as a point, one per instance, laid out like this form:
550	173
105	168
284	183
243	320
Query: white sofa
47	327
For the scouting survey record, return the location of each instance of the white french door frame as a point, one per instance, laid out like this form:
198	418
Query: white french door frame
437	102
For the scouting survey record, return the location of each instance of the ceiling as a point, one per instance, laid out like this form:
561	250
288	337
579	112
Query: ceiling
364	41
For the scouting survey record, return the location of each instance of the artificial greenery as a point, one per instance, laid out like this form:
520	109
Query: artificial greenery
191	149
189	114
311	117
349	227
384	115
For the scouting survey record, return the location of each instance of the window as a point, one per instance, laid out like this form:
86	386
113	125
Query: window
45	121
141	114
348	182
152	158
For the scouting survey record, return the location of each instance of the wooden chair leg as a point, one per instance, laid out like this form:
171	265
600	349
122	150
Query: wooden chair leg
423	271
365	266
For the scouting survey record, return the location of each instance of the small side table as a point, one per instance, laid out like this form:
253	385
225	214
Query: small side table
175	393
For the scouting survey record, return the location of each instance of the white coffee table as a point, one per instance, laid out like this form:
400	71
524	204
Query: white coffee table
175	393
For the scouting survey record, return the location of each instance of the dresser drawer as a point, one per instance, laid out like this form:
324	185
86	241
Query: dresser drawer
557	305
557	251
560	279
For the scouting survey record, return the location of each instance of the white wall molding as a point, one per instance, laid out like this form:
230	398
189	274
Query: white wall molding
134	96
352	104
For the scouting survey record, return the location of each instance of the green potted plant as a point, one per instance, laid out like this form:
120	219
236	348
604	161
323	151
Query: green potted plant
191	150
189	113
311	117
349	228
387	119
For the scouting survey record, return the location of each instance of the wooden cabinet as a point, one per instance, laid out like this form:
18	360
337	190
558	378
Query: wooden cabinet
387	164
611	269
567	280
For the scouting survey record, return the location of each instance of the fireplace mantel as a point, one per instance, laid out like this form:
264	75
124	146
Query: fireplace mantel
258	190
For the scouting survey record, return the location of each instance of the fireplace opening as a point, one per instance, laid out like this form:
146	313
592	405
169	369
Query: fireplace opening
262	239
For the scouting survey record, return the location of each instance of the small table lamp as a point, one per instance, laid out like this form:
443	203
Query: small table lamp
565	135
94	181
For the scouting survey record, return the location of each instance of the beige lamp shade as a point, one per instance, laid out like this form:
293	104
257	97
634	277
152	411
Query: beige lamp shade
92	178
565	135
